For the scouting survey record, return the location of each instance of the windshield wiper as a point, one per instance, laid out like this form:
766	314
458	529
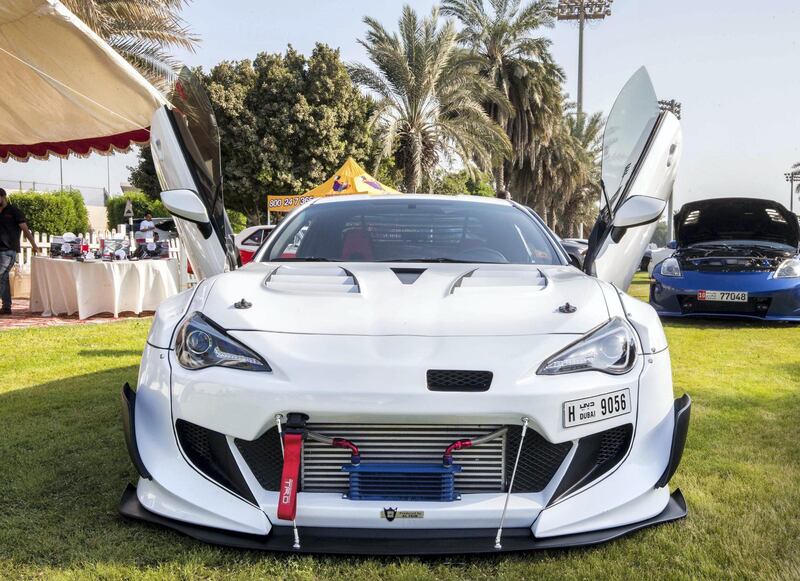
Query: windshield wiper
786	248
710	245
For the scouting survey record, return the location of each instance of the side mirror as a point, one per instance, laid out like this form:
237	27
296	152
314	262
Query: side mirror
638	211
672	244
185	204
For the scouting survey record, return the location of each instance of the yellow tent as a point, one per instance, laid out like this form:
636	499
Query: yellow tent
350	179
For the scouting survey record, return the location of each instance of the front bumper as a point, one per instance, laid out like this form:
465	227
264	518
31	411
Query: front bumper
633	496
770	299
326	540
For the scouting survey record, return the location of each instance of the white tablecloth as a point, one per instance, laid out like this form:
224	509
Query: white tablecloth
61	286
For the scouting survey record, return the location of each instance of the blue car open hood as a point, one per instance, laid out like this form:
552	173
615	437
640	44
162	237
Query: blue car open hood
736	219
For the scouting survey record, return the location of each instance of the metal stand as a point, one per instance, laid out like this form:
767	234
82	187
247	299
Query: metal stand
296	544
497	544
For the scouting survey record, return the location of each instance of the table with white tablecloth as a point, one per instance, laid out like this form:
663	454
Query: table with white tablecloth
63	286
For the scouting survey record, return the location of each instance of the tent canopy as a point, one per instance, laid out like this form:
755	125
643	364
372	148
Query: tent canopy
350	179
64	89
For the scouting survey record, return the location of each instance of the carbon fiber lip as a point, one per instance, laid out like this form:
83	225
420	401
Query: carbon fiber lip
319	540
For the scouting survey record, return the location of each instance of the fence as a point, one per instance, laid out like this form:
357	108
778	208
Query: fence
185	280
92	195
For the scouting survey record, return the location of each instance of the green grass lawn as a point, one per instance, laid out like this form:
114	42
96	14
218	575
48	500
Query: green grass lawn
63	467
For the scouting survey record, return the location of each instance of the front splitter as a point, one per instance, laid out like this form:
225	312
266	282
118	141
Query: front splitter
323	540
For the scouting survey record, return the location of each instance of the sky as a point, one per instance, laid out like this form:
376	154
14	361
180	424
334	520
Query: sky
731	64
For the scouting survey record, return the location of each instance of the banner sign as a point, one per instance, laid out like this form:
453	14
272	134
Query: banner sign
287	203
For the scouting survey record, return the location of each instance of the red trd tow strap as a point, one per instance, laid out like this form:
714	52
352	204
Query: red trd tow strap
292	453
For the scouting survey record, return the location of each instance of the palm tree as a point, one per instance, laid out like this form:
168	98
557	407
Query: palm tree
429	98
563	180
580	205
142	31
502	36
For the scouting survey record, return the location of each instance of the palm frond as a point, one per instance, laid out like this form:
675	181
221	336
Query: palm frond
430	95
143	31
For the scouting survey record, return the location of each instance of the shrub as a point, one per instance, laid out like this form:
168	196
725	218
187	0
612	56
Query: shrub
81	215
53	212
461	183
115	211
238	221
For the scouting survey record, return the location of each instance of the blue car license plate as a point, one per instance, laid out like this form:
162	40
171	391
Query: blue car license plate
724	296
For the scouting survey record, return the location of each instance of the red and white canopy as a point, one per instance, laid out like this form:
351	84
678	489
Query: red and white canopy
63	89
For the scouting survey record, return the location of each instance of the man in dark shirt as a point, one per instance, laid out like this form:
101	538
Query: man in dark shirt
12	223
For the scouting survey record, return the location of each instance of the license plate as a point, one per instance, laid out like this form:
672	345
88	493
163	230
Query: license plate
724	296
600	407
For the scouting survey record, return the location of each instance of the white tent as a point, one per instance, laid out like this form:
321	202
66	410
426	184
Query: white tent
64	90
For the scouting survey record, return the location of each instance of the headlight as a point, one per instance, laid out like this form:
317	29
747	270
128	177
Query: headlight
610	349
671	267
201	343
789	268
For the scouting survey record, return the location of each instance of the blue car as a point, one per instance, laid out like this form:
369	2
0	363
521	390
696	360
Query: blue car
734	257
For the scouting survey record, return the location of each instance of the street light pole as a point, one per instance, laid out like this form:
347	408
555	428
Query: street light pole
673	107
791	177
581	22
582	10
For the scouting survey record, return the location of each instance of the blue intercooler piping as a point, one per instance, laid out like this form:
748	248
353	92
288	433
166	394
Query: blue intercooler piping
422	482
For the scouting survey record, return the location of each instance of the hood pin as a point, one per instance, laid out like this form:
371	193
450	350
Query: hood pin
242	304
567	308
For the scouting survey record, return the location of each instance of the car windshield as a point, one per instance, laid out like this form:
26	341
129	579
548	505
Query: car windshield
412	230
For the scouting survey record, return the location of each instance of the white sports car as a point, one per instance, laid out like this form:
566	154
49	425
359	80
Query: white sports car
421	374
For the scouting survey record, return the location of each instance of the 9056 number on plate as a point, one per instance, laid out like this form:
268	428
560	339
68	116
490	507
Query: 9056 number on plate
596	408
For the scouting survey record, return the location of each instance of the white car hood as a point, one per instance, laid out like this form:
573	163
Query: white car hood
371	299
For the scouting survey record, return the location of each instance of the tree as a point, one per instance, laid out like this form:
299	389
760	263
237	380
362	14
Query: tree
461	182
143	176
660	235
142	31
502	38
286	122
429	107
580	203
562	181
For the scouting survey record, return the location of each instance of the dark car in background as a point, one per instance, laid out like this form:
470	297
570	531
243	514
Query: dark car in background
576	249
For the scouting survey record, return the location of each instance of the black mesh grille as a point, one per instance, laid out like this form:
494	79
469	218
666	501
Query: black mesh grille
613	444
538	461
264	457
448	380
756	307
596	455
210	453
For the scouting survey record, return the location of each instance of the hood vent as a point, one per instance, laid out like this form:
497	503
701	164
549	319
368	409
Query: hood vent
408	275
312	279
498	279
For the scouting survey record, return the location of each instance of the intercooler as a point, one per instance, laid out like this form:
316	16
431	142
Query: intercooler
482	467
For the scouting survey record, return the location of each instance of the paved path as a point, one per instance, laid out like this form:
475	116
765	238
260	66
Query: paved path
21	317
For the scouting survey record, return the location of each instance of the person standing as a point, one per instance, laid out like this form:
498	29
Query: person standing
147	224
12	224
